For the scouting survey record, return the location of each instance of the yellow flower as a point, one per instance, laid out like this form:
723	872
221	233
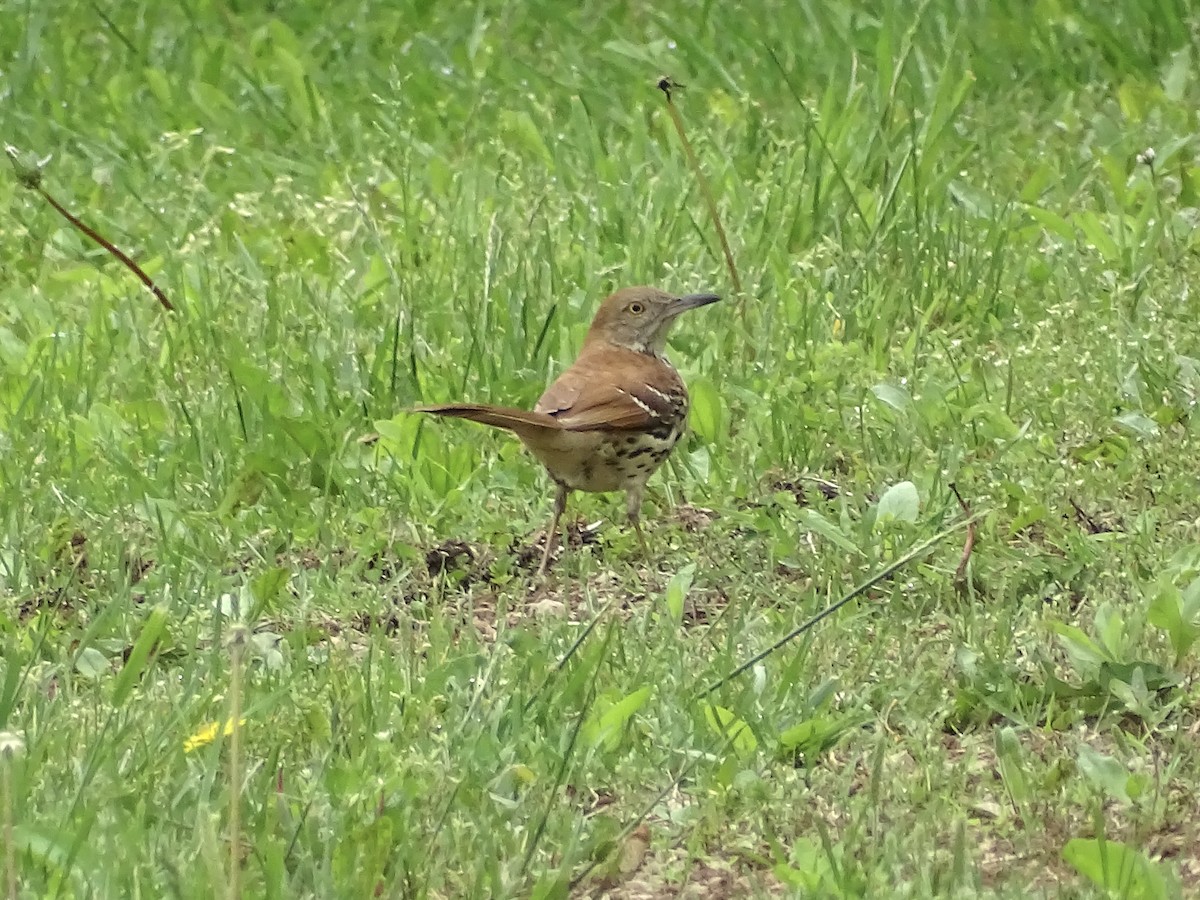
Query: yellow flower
208	734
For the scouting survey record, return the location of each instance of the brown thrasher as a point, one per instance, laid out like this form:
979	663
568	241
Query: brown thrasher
607	422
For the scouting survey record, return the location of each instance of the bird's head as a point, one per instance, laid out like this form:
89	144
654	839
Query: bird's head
640	318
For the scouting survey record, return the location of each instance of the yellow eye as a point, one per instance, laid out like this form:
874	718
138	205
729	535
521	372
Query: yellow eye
636	308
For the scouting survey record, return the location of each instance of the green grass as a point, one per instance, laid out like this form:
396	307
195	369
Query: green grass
956	273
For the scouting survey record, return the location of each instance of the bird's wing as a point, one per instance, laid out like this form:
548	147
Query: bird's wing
613	389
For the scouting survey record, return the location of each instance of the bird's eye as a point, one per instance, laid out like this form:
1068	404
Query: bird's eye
636	308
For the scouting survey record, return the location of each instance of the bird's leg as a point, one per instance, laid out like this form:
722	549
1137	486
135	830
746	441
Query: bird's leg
560	507
633	506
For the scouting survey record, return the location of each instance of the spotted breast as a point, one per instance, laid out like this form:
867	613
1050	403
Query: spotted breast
619	458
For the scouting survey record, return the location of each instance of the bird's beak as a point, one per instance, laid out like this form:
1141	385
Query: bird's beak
692	301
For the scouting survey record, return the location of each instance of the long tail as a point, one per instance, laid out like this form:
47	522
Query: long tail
518	420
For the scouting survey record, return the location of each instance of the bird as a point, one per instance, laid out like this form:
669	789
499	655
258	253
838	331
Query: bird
610	419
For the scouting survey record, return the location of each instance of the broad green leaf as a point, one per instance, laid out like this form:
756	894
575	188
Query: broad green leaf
1098	235
307	434
900	502
211	100
1052	222
400	433
1012	765
992	422
91	663
1027	516
1106	774
1044	176
295	82
1111	630
725	723
1150	676
1178	74
1085	653
706	414
808	870
1141	425
1120	870
605	728
1133	97
1178	614
677	590
700	461
814	735
266	586
156	80
973	201
895	397
1165	612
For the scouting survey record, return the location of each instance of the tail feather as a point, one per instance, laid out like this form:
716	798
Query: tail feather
518	420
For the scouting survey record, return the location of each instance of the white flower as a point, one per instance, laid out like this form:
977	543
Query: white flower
11	744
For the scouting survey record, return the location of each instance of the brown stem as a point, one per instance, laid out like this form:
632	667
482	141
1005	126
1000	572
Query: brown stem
969	543
109	246
666	85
